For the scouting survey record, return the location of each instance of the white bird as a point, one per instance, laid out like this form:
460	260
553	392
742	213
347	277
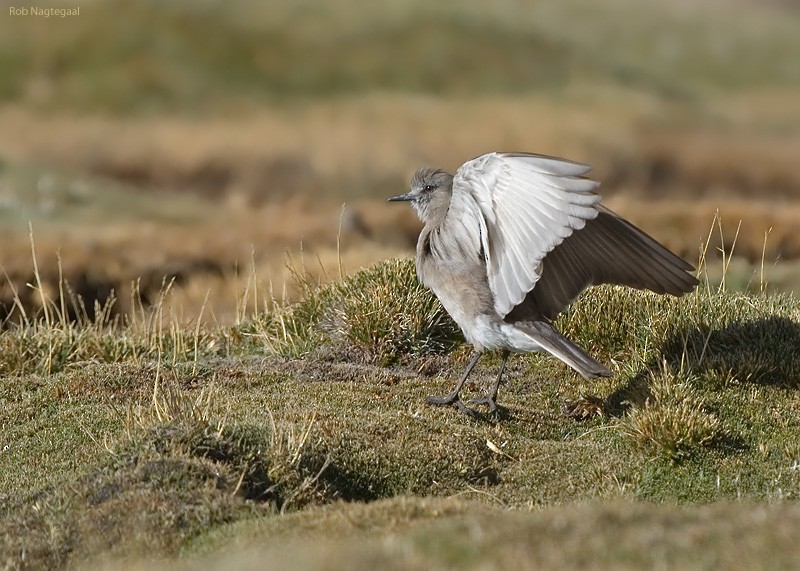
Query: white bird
511	240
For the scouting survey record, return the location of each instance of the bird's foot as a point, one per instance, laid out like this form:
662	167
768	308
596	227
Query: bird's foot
495	411
485	401
452	400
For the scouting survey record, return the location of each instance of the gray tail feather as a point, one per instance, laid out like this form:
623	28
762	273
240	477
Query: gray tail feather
559	346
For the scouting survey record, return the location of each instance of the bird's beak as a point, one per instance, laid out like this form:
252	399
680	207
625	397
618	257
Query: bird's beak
401	197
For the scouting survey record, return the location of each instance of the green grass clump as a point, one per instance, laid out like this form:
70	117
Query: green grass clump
720	334
382	313
386	312
674	418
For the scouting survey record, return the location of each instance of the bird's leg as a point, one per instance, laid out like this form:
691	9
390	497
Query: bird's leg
490	400
452	398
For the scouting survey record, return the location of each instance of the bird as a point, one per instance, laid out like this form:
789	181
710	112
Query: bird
510	240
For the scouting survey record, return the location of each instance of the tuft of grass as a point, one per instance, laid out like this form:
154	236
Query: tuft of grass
53	341
387	313
674	417
748	337
382	313
64	333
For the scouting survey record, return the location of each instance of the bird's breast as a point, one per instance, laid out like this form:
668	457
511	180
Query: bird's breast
461	287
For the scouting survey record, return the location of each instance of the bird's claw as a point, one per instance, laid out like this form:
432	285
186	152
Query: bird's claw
452	400
485	401
495	412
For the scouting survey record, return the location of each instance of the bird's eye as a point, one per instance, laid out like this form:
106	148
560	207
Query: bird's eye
429	187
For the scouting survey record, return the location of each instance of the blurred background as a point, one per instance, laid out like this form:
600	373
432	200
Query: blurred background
214	142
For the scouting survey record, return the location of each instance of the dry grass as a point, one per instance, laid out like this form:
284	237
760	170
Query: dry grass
217	257
334	146
327	145
203	202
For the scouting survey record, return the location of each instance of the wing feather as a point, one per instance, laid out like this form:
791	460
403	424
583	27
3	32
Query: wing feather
545	238
608	250
529	205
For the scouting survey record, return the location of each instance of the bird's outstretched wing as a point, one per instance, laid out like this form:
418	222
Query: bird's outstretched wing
608	250
529	205
546	237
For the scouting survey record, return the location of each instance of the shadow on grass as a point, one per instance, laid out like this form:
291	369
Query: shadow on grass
762	351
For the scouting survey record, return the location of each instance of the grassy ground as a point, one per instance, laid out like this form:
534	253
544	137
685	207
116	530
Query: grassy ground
162	440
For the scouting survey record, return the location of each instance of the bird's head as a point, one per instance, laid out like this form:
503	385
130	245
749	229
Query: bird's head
430	193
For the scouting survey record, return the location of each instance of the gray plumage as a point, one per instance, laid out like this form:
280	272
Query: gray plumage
512	239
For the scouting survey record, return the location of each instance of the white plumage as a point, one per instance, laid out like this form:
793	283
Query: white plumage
529	204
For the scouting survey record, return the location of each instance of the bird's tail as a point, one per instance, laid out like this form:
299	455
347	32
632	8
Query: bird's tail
559	346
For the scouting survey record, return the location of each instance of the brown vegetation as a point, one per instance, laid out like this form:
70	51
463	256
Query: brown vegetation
238	192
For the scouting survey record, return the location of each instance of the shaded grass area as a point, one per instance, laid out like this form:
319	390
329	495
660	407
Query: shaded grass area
265	432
